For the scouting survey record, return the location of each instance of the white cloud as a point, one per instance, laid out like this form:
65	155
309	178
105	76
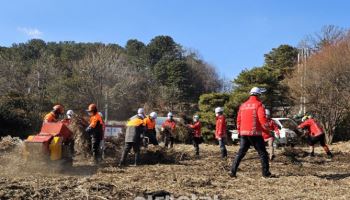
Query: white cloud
30	32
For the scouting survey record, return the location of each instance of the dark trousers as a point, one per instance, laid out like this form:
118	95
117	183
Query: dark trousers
196	141
169	140
127	148
151	134
259	145
95	145
222	144
313	140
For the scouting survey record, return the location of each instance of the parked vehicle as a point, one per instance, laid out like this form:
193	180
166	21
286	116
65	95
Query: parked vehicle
287	128
288	131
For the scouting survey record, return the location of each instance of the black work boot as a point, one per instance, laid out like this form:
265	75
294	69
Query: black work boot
329	154
223	153
232	175
268	175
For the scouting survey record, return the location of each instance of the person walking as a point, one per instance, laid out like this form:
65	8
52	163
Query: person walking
251	123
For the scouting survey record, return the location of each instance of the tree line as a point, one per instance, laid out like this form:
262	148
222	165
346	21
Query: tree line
161	75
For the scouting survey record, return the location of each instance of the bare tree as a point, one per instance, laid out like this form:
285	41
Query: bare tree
326	85
329	35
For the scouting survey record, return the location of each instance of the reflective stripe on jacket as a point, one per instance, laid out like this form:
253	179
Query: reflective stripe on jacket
251	118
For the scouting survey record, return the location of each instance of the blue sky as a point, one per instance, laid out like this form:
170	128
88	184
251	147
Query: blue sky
231	35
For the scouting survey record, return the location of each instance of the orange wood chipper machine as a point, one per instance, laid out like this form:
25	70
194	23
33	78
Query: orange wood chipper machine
54	142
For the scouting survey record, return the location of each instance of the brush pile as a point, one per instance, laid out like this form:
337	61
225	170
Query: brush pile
8	143
82	144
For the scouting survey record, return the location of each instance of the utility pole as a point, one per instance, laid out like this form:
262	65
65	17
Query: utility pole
303	56
106	108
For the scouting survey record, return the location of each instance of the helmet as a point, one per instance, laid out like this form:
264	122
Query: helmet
267	112
195	118
140	111
58	108
170	114
306	117
100	114
219	110
92	108
153	115
70	114
257	91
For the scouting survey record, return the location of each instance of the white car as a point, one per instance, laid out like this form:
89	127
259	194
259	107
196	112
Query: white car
286	128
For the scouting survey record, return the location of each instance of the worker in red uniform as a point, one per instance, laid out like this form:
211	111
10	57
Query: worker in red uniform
53	116
251	123
315	135
268	136
169	127
197	133
220	131
150	123
95	129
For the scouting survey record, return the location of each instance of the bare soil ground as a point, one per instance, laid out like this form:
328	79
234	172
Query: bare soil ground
178	173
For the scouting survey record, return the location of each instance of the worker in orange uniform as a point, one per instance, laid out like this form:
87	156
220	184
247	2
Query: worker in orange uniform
135	130
95	130
315	135
150	123
197	133
169	127
220	131
53	116
251	123
270	137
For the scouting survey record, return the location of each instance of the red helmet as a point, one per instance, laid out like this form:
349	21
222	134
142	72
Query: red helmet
58	108
92	108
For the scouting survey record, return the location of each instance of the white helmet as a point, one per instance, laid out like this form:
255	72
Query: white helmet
170	115
70	114
195	118
153	115
257	91
267	112
140	111
100	114
219	109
